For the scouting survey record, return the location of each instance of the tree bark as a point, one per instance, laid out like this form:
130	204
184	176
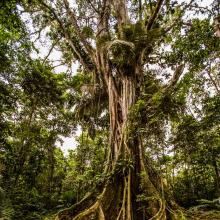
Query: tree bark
133	190
131	175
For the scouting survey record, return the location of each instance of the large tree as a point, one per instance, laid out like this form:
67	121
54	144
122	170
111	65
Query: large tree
116	43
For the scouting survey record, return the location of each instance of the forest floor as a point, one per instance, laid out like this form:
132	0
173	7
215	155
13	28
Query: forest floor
190	215
203	215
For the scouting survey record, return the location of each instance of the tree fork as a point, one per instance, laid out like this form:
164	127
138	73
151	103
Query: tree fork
118	200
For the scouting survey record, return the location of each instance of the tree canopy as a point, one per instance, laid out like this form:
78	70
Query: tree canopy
140	80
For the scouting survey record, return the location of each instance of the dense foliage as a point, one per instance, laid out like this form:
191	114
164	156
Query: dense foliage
179	124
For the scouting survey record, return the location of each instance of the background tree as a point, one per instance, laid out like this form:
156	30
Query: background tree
31	119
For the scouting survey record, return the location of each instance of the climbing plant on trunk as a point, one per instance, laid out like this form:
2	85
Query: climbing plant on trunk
115	42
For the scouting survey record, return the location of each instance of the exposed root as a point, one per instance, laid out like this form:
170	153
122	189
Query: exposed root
122	210
115	203
92	210
101	213
161	213
77	208
177	214
129	208
95	210
118	198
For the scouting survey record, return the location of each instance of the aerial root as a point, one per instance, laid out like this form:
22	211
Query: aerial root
101	213
115	203
177	214
95	209
161	212
122	213
66	213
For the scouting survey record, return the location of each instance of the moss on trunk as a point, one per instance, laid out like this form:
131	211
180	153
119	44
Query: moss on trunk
133	191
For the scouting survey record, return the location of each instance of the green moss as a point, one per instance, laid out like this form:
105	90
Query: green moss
102	40
88	32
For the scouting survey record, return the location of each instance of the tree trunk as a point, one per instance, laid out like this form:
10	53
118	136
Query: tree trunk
133	190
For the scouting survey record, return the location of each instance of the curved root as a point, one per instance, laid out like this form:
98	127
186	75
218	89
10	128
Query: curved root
89	211
122	210
161	213
118	200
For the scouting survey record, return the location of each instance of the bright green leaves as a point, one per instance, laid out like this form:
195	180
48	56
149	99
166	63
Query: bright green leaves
42	84
32	116
122	56
212	109
139	106
197	144
85	166
197	43
12	28
134	41
158	107
80	79
10	23
183	88
187	131
7	100
124	165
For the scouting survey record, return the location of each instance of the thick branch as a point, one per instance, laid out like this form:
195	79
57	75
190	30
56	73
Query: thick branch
73	20
121	12
217	26
103	19
213	81
155	14
93	6
51	49
103	31
178	72
177	19
115	88
66	35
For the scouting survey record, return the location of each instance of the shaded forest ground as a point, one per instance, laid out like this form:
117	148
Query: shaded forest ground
203	215
191	215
